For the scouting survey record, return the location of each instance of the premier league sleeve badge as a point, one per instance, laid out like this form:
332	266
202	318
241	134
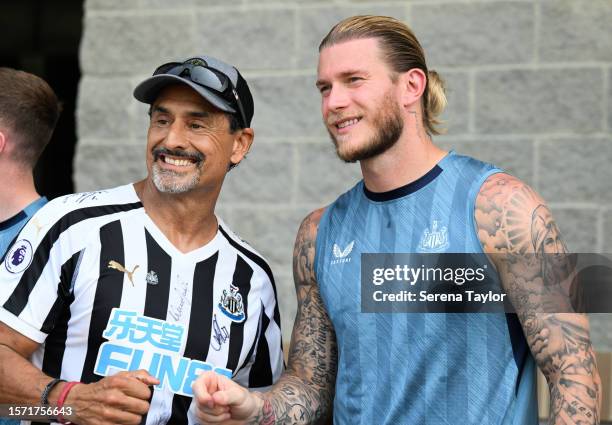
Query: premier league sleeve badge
19	256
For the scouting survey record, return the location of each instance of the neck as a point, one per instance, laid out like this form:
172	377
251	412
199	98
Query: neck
411	157
186	219
19	193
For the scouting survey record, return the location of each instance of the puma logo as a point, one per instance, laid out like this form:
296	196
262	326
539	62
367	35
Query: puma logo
130	274
38	226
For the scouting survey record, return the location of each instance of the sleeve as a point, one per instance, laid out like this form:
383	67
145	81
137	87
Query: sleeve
36	274
269	362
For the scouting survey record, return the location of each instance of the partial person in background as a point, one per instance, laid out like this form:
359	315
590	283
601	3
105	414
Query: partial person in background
29	110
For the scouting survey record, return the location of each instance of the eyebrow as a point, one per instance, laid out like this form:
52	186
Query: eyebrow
343	74
195	114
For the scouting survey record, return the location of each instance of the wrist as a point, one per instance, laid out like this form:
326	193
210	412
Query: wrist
62	401
55	392
51	385
264	412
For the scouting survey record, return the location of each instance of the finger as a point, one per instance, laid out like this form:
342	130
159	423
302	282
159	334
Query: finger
128	385
229	394
214	411
117	399
118	417
203	387
145	377
208	418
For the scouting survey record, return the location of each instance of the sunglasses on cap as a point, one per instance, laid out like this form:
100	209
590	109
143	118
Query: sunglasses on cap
199	72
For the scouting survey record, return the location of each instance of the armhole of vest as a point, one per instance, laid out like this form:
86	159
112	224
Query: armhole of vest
473	194
320	230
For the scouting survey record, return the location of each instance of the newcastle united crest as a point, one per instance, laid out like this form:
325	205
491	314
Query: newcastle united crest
231	304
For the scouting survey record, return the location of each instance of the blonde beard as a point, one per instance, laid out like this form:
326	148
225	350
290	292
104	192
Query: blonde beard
388	126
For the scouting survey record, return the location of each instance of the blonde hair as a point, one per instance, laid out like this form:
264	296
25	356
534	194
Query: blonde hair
402	52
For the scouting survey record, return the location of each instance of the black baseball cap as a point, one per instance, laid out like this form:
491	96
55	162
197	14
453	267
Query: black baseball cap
216	81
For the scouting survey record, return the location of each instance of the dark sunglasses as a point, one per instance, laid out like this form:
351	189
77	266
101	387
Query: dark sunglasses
208	77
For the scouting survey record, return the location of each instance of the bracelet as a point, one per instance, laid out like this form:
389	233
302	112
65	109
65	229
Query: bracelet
44	397
62	399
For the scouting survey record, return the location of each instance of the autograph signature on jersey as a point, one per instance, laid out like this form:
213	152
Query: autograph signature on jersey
112	264
220	335
79	198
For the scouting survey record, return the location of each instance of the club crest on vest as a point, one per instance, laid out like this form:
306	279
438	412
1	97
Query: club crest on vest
434	239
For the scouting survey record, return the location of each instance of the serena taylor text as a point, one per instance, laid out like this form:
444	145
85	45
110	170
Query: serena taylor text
424	296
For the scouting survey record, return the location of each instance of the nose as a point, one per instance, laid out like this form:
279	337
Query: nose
337	98
176	137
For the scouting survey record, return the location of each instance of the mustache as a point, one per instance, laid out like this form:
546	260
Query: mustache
195	156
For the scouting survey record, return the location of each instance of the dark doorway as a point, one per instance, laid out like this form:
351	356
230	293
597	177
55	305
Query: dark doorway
42	37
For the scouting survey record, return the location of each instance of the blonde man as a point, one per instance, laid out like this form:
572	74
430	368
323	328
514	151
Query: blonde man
379	103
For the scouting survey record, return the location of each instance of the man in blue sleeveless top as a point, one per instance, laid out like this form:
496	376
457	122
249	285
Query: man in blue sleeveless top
379	104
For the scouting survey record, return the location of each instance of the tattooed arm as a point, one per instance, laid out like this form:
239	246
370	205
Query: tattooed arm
517	230
305	391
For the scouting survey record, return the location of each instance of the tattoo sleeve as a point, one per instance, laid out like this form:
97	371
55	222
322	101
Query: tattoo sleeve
518	231
304	393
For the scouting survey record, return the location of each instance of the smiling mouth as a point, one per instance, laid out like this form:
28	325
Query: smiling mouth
177	158
177	162
346	123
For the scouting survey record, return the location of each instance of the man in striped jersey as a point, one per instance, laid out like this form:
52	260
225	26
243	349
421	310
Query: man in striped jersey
142	285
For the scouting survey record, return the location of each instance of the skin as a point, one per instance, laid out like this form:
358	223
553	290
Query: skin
354	83
518	231
181	121
20	192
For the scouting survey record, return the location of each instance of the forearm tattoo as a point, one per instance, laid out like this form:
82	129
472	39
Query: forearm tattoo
304	393
534	267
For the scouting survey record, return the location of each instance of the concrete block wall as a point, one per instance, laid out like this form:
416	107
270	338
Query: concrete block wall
529	86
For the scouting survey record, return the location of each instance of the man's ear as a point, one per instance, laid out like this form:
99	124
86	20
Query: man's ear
413	83
242	144
2	141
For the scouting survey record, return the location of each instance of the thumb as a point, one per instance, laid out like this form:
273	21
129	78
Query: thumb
204	387
229	393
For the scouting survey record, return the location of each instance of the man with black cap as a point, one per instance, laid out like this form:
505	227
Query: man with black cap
119	298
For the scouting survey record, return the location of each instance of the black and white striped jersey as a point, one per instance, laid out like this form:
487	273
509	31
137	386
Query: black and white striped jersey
94	279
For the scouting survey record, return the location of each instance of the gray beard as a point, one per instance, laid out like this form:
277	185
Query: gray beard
167	181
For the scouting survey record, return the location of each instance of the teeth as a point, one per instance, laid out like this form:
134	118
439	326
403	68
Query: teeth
347	123
178	162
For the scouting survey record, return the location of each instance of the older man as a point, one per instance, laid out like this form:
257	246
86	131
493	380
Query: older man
110	292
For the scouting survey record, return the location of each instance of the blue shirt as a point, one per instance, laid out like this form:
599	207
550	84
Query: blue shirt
419	368
9	229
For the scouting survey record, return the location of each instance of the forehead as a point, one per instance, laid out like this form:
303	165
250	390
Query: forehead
353	55
181	96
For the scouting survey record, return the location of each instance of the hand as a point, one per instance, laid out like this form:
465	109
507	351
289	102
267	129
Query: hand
219	399
121	398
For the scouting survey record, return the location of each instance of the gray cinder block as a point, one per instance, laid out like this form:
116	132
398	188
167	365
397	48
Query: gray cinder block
475	33
539	101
